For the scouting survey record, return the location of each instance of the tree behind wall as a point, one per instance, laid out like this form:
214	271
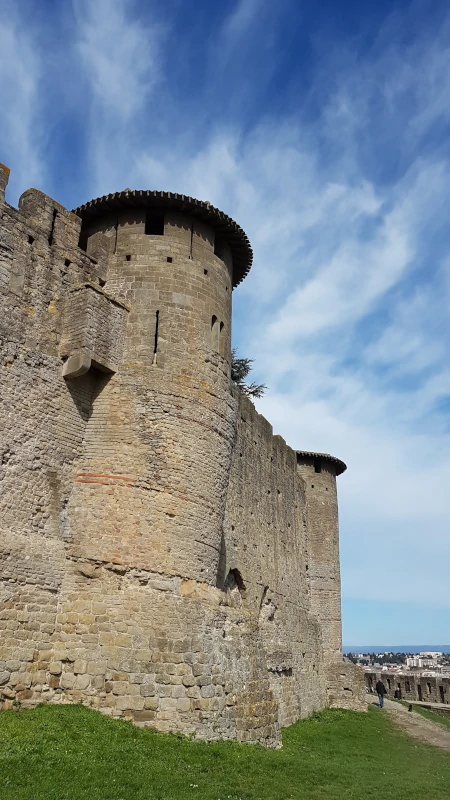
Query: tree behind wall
240	368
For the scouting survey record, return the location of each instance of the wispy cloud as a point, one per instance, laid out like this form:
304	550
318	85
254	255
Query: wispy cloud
118	54
342	184
242	17
119	59
21	128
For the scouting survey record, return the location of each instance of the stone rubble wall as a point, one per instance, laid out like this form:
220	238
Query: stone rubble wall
345	686
135	646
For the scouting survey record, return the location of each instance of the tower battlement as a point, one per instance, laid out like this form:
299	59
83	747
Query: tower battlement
164	557
147	212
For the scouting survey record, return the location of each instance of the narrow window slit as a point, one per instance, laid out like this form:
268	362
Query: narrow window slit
192	241
169	259
30	240
215	333
116	233
52	229
155	348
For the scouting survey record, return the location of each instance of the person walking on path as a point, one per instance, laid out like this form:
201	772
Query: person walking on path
381	691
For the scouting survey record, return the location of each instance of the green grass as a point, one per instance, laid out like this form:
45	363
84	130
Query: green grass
444	719
73	753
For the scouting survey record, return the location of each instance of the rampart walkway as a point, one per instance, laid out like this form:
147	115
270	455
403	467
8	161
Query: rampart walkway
417	726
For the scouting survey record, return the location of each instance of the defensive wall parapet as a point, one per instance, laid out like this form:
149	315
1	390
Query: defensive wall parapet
423	688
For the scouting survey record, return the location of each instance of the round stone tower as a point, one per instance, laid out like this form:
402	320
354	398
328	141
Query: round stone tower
319	472
151	484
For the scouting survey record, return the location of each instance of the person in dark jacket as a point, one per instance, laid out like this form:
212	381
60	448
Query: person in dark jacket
381	691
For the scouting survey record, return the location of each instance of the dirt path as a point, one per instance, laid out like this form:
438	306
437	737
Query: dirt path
418	726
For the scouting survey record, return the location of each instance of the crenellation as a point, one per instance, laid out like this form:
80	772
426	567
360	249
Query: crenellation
58	225
164	558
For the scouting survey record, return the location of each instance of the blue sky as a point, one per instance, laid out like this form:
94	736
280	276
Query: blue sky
323	129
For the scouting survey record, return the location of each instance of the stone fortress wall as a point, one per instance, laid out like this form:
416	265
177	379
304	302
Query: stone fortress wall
422	688
164	558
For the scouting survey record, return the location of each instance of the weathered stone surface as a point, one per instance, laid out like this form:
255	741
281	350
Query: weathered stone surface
148	690
144	716
163	557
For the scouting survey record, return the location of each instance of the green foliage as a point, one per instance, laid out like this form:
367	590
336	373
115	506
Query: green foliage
380	658
240	368
74	753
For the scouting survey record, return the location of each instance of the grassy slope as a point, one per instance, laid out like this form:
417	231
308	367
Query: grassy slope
444	719
72	753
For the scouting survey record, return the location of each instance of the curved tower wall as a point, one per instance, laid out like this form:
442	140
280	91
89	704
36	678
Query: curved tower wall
158	442
323	570
343	681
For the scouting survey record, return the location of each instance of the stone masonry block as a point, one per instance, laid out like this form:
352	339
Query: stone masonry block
130	703
148	689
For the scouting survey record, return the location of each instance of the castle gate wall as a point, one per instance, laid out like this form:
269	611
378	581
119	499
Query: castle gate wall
114	483
154	532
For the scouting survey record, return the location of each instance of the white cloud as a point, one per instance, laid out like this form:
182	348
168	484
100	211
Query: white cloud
118	53
345	309
21	129
242	17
